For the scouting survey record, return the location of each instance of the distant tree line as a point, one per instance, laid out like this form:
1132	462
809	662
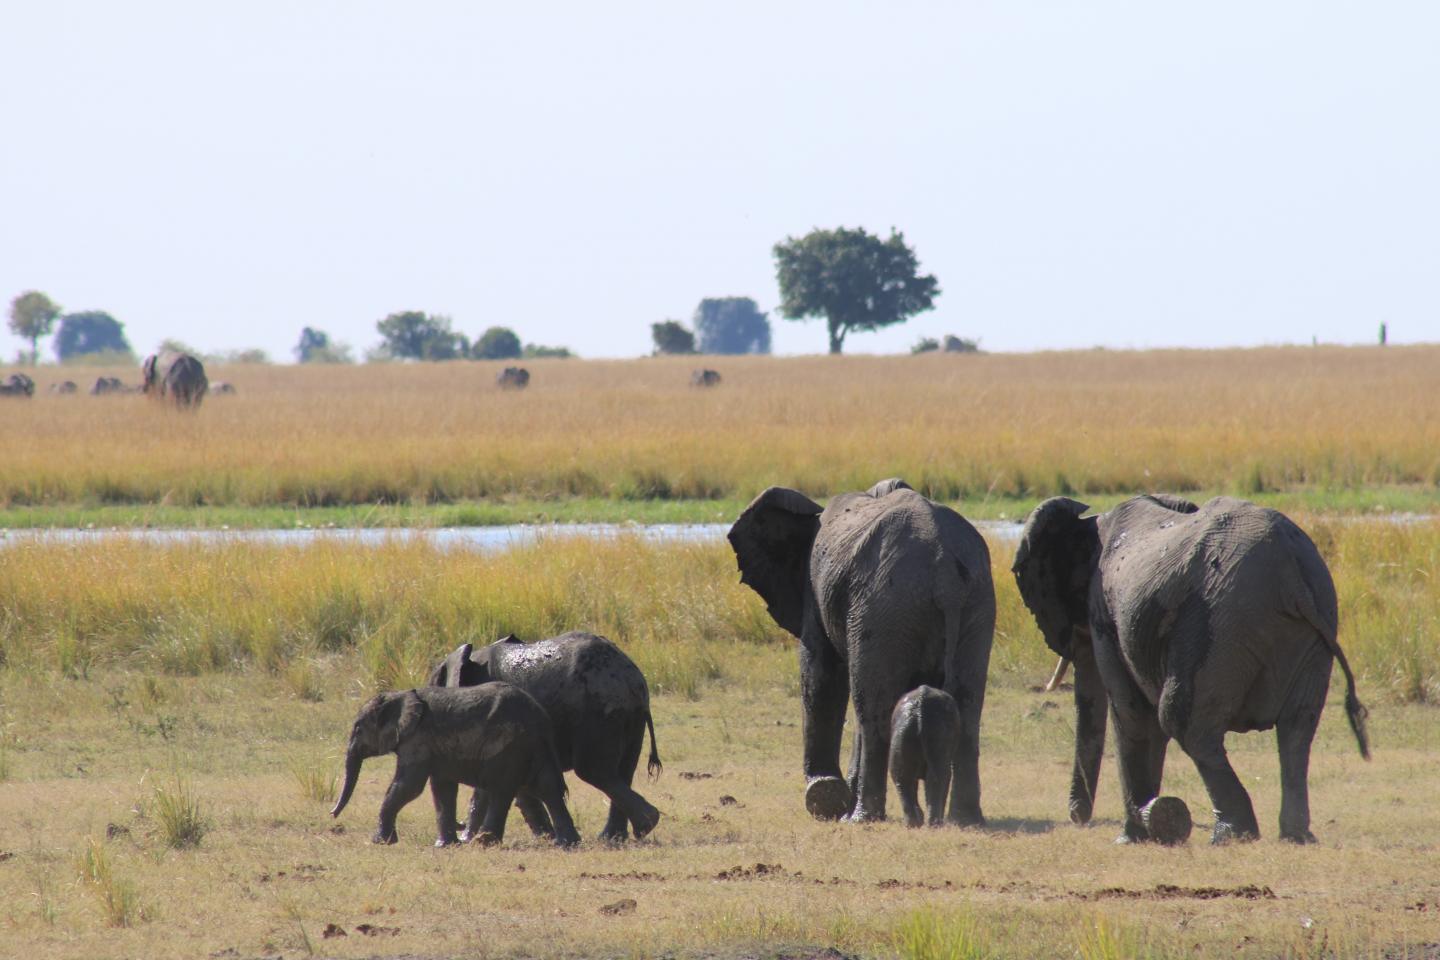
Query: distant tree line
721	325
414	335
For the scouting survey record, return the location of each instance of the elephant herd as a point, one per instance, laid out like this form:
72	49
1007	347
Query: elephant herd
1181	622
177	378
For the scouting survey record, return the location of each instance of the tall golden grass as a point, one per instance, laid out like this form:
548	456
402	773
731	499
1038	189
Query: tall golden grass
677	608
957	427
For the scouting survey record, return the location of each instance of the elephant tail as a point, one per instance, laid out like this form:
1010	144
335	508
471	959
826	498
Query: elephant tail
1354	710
654	766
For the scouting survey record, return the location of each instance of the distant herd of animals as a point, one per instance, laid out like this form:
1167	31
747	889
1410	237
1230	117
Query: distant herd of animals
1181	622
180	378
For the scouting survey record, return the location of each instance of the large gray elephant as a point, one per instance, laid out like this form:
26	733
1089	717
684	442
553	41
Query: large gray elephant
178	377
493	737
599	705
1189	622
17	385
885	591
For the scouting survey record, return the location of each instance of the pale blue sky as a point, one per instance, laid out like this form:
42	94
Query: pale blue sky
1130	174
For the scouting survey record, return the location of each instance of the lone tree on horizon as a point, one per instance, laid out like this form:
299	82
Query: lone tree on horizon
32	316
855	280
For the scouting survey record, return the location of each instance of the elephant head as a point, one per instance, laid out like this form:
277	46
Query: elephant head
1053	567
772	541
381	726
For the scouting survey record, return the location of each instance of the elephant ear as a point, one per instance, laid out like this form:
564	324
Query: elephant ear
147	370
1053	566
772	541
450	670
412	712
886	487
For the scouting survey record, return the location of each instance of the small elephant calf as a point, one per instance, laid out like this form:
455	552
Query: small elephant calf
924	740
493	736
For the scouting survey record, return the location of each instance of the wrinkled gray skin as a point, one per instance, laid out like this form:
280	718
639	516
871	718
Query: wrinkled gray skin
1188	622
177	377
885	591
924	735
17	385
493	737
705	378
513	378
599	706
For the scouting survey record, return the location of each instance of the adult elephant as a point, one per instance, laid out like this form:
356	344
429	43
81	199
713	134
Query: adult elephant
1189	622
178	377
886	591
599	704
17	385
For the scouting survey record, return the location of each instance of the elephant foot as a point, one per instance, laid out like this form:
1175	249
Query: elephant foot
1125	839
485	838
387	839
1228	833
1298	837
1080	812
614	837
567	841
1167	820
447	842
827	798
966	818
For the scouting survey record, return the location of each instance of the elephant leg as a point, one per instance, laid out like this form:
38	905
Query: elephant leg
1140	743
533	810
905	772
549	787
1091	708
872	714
478	805
629	763
969	637
1293	735
940	762
1234	814
824	693
443	792
405	787
497	811
597	764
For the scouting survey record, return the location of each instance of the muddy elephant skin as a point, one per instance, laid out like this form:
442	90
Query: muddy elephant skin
924	735
598	703
493	737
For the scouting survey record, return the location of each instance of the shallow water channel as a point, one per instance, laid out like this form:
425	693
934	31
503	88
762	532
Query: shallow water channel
446	538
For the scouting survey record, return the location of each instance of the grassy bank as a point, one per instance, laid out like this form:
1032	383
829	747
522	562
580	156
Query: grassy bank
190	609
972	429
500	512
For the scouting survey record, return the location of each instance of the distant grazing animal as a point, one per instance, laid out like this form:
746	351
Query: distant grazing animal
705	378
177	377
599	704
513	378
104	385
924	737
17	385
493	737
222	386
64	387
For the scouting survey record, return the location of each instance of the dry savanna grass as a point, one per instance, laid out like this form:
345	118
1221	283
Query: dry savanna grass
957	427
736	867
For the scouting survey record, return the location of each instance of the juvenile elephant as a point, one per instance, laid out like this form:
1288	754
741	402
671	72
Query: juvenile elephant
924	732
178	377
885	591
1189	622
599	706
494	737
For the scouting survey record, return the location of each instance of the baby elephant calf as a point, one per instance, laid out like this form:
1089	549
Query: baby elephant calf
493	736
924	735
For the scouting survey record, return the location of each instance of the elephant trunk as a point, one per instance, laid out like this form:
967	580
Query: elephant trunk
1091	706
353	759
